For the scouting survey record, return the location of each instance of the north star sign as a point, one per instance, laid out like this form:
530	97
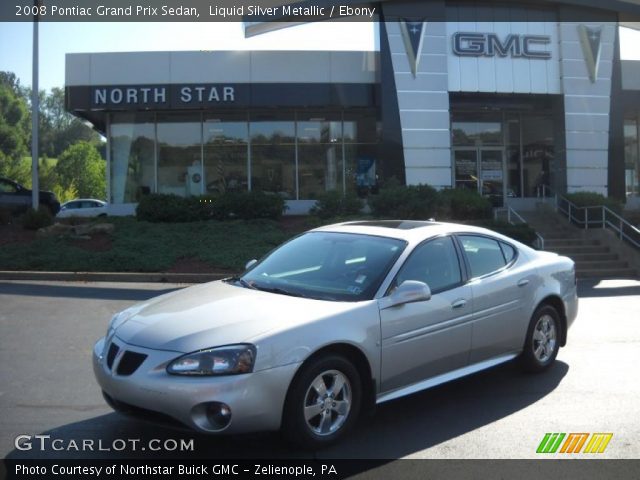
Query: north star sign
162	95
473	44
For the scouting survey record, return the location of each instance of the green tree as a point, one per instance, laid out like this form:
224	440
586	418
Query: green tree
81	167
13	136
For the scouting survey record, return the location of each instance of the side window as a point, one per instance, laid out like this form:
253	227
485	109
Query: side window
434	263
508	251
6	187
73	205
484	254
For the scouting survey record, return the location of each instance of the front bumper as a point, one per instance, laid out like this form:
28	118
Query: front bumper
256	400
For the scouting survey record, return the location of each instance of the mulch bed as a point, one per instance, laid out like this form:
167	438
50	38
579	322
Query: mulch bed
15	234
97	243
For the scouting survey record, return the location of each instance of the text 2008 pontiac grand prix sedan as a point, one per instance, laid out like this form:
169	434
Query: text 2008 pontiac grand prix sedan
334	321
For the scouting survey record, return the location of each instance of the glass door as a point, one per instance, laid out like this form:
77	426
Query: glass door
491	182
481	169
465	161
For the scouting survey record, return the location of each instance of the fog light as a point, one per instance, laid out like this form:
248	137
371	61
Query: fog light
219	415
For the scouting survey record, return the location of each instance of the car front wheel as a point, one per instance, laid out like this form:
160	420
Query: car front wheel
323	402
543	340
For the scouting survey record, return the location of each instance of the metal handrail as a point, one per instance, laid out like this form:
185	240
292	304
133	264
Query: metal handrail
512	212
618	225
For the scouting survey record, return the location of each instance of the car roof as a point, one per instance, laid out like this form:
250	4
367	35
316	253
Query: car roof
84	200
411	231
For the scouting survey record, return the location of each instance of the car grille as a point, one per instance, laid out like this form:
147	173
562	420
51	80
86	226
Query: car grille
111	354
130	362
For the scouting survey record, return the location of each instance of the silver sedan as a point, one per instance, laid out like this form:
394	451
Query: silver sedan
334	321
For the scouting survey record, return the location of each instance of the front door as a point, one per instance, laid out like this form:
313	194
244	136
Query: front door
423	339
482	169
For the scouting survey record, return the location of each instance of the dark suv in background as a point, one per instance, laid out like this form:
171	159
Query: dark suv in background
17	199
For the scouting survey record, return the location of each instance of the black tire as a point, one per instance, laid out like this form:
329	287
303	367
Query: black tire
539	353
295	427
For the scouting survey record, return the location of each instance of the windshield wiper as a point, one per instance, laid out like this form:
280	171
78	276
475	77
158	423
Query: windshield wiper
278	290
242	282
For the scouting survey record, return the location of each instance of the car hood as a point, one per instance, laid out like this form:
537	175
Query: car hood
218	313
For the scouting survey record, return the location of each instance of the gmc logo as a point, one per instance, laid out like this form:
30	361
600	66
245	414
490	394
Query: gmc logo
472	44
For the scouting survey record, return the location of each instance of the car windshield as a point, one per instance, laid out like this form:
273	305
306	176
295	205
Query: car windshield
326	266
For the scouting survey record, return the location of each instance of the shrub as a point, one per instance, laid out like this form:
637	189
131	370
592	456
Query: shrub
592	199
335	204
521	232
417	202
243	205
463	204
160	207
5	216
231	205
35	219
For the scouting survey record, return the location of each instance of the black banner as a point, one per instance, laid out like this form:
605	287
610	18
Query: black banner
261	11
321	469
186	10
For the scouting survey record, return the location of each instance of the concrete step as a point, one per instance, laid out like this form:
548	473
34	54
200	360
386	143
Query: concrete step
577	250
607	273
565	242
594	257
600	265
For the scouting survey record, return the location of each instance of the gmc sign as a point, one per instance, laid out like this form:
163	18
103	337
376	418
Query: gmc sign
473	44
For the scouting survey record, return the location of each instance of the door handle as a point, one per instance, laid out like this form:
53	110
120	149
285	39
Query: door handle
459	303
523	282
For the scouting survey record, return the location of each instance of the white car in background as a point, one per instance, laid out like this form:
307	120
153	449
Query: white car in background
83	207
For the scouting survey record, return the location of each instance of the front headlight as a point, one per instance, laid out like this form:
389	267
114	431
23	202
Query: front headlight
229	360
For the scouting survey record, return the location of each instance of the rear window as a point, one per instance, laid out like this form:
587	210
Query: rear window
484	254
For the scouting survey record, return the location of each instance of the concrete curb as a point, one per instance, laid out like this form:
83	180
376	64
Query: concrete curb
140	277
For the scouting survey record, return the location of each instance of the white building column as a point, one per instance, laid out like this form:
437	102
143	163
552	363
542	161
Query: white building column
423	102
586	107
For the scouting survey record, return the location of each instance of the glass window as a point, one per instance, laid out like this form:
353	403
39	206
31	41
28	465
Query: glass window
508	251
226	139
361	168
132	146
434	263
484	254
273	154
319	154
537	153
180	154
6	187
631	156
474	129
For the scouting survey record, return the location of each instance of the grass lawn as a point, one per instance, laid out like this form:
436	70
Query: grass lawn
148	247
197	247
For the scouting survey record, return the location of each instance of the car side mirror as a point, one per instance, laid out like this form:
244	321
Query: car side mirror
409	291
250	264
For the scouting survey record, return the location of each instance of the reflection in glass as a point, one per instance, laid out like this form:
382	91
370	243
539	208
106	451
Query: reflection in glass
319	156
132	157
273	157
466	169
470	131
179	154
225	154
537	154
631	156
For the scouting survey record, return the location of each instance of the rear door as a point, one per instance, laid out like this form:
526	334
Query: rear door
499	286
424	339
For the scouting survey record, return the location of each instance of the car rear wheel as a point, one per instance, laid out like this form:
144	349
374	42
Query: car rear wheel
323	402
543	340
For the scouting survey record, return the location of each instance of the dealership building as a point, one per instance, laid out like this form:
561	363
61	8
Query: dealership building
512	100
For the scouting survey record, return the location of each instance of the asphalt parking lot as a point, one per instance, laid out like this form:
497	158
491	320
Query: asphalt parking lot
47	330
